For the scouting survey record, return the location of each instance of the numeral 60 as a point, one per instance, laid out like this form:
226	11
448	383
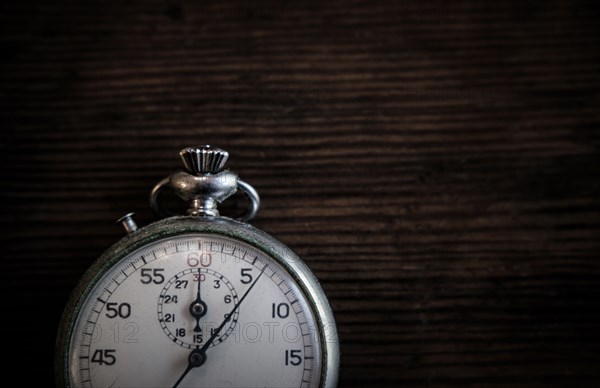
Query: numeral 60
203	259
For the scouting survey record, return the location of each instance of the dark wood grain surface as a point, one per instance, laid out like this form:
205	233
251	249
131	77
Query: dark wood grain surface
435	163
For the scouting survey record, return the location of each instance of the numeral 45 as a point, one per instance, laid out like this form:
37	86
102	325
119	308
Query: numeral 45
104	356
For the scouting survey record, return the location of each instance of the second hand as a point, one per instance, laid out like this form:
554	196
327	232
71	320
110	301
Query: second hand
198	356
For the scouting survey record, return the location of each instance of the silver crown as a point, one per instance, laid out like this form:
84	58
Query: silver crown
204	159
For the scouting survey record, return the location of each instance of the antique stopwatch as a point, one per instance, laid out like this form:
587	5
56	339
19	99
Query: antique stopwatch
198	301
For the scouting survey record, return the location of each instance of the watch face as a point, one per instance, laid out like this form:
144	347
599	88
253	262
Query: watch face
191	310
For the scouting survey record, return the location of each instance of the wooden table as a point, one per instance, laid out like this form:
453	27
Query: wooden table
435	163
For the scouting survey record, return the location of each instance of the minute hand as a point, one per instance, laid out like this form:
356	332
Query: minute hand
215	334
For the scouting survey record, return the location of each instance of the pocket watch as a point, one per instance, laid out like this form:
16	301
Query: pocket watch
199	300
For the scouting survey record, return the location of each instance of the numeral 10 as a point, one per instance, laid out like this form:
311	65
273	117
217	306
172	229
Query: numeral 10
280	310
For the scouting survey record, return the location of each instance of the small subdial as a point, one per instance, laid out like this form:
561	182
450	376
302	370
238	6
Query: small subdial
192	305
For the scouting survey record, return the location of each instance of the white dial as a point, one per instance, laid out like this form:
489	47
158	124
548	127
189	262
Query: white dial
195	310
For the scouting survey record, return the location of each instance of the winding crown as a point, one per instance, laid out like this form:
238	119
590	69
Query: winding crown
203	160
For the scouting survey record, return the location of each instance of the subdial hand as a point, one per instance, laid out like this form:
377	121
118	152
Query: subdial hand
198	356
198	308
